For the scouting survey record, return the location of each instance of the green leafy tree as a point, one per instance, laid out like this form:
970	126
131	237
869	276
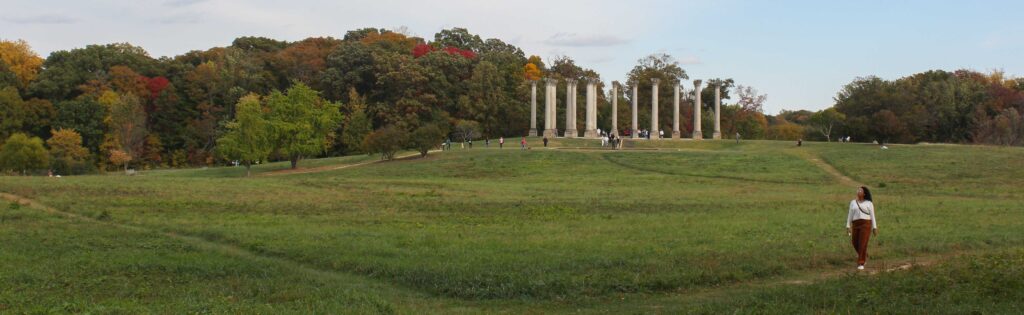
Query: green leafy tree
248	136
21	153
84	115
486	97
826	120
12	111
64	71
459	38
301	122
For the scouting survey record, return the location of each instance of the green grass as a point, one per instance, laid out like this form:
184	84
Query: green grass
537	230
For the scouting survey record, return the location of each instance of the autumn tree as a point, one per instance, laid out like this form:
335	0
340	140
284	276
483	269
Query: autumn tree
356	124
301	122
20	60
248	136
119	157
127	123
305	60
386	141
22	153
67	155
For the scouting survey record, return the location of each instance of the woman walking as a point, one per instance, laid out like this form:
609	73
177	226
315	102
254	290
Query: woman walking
861	223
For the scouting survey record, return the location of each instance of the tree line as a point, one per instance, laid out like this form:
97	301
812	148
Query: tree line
105	107
937	106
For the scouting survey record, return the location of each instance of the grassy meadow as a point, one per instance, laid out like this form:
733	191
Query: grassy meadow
661	227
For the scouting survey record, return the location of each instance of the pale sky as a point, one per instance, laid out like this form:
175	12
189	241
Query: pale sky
799	53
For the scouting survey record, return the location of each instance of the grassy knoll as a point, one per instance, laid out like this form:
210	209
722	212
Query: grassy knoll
576	228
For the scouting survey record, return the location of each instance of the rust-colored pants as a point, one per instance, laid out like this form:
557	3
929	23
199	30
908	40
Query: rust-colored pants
861	234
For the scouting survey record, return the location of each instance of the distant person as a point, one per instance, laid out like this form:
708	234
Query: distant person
545	142
501	142
661	133
522	144
487	142
604	141
737	137
470	143
861	223
799	142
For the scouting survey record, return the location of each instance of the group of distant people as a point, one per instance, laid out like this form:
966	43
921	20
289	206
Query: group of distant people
447	144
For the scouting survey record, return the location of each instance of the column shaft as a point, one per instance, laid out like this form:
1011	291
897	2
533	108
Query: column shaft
718	113
697	133
615	108
675	112
654	108
533	109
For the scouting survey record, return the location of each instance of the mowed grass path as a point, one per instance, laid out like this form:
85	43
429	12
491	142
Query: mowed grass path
501	228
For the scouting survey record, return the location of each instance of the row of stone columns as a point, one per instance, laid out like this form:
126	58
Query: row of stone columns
550	109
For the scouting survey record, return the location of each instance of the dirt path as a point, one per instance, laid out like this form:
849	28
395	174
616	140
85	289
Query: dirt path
828	168
334	167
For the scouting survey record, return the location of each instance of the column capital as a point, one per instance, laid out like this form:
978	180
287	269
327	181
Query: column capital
570	81
551	81
696	83
655	80
594	81
616	84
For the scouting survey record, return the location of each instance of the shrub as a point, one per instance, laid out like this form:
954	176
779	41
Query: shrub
427	137
386	141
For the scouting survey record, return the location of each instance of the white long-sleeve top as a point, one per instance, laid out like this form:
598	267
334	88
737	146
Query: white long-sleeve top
857	214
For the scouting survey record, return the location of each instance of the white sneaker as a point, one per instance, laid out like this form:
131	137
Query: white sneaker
861	267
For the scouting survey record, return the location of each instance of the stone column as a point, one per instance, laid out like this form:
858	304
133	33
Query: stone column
533	108
697	133
718	113
591	131
615	108
570	109
675	111
550	115
635	127
654	108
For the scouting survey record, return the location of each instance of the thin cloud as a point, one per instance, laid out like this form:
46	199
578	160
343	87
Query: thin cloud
182	3
577	40
179	19
690	60
42	19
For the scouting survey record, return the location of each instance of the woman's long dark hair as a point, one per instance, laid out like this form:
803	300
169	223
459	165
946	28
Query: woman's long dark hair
867	193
